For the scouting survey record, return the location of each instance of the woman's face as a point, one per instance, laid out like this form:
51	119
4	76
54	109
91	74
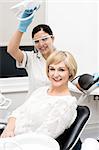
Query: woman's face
58	74
43	42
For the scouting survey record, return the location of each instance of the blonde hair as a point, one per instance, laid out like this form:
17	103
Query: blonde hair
59	56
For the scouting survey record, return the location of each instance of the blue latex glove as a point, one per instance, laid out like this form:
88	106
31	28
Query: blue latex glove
96	76
23	25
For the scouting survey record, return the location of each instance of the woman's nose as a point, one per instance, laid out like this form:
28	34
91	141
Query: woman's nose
56	73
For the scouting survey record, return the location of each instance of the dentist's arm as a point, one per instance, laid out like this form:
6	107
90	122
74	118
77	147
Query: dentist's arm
13	46
14	43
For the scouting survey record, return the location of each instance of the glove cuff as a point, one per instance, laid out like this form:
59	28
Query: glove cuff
21	29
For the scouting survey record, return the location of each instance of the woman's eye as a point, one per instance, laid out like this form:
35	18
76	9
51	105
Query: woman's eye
44	39
61	70
51	69
37	41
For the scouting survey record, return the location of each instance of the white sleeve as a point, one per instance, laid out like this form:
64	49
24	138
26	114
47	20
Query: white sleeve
24	62
60	118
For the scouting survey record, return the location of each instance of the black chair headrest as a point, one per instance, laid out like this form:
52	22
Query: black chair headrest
86	81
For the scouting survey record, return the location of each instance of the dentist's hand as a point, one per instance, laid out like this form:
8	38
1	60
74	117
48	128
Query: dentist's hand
23	25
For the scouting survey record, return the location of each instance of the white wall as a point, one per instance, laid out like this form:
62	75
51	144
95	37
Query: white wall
9	22
75	26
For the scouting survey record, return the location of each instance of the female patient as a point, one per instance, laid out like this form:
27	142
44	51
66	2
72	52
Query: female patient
50	109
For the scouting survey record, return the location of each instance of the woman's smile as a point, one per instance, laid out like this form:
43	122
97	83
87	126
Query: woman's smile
58	74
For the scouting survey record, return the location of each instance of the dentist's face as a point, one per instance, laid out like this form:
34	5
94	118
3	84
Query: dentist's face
58	74
43	42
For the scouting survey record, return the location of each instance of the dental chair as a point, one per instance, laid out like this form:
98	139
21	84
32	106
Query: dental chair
70	138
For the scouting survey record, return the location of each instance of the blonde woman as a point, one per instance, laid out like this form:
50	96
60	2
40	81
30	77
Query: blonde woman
50	109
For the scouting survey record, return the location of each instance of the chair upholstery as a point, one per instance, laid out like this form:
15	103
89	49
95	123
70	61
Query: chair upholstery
71	136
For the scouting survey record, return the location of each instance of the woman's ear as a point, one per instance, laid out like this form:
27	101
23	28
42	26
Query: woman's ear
70	76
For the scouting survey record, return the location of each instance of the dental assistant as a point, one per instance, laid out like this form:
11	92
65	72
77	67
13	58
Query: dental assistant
33	61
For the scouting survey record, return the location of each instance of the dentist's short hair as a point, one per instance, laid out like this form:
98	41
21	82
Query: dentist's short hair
69	60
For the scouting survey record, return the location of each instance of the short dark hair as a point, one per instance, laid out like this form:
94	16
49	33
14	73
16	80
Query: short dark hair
40	27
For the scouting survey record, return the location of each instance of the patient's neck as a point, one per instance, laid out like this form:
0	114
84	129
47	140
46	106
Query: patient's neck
58	91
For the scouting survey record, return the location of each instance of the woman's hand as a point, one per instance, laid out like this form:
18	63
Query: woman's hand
9	129
7	133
